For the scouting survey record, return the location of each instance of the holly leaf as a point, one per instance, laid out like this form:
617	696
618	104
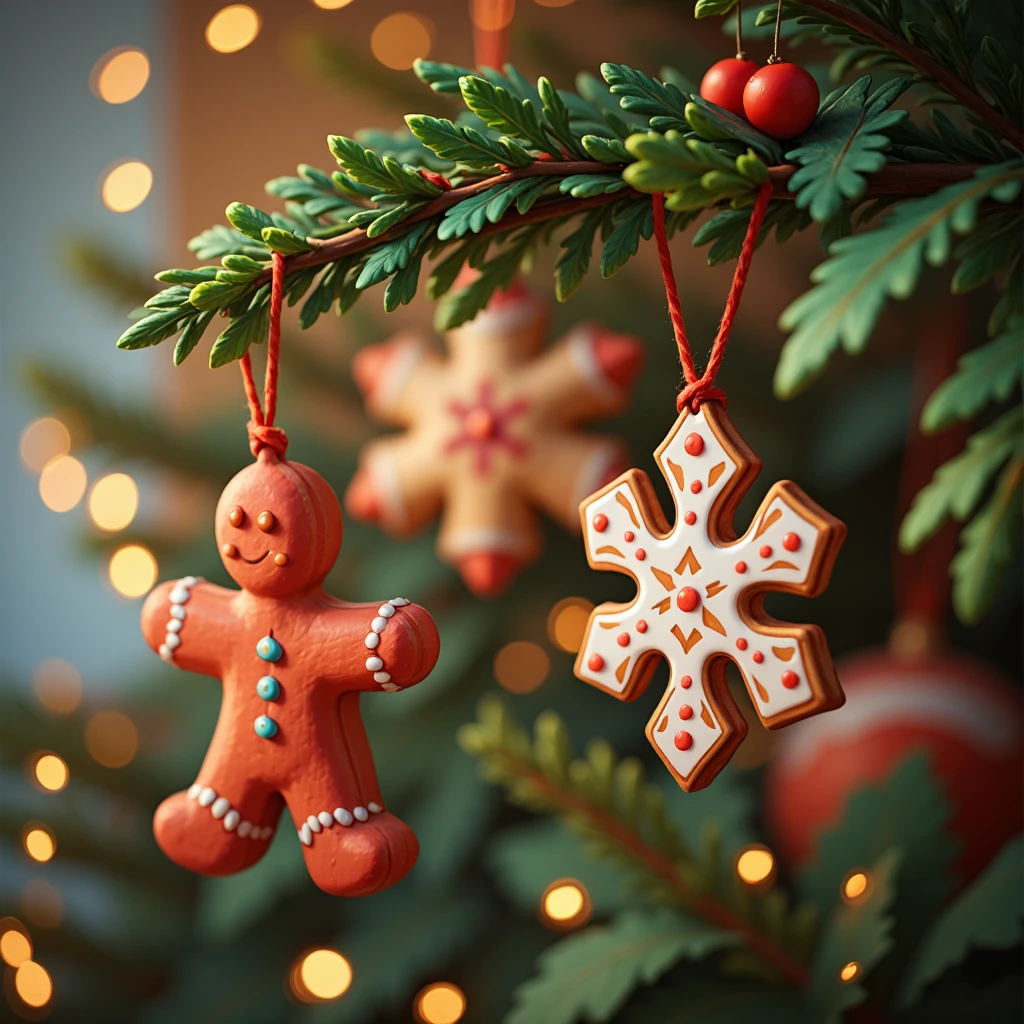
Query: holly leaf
987	915
864	270
858	934
987	374
844	143
591	974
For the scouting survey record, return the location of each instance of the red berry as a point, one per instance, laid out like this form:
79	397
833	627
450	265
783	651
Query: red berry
781	100
723	84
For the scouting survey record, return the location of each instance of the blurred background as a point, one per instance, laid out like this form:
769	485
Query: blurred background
128	128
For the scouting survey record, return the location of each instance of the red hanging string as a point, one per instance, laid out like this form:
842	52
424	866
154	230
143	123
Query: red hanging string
700	389
262	432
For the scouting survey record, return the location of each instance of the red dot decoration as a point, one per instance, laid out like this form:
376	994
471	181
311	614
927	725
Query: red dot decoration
791	542
790	680
758	657
694	444
696	487
641	626
640	554
683	740
595	663
685	712
686	682
690	518
600	522
628	535
765	551
741	567
688	599
741	644
622	639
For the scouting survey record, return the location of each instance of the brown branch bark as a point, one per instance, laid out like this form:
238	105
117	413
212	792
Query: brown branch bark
925	63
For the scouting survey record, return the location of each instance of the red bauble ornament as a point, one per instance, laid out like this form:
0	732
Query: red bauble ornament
781	100
961	711
724	82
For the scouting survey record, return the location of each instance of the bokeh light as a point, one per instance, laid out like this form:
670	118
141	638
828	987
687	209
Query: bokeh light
41	903
849	971
565	904
51	772
57	686
332	5
755	865
62	483
33	984
120	74
15	945
567	622
440	1003
855	885
233	28
492	15
113	501
553	3
399	39
111	739
42	441
126	185
132	570
320	975
39	842
521	666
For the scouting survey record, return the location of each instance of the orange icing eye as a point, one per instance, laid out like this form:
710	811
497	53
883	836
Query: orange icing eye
265	521
236	516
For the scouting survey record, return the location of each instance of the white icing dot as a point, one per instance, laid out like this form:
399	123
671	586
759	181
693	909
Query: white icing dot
371	641
378	624
342	817
174	625
313	822
177	612
361	814
386	610
165	652
206	796
374	807
245	828
220	807
390	687
374	664
172	640
179	595
268	831
231	820
326	819
194	790
305	835
190	581
399	602
382	677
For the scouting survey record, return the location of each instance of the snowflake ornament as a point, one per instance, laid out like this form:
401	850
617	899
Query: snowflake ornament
700	592
491	433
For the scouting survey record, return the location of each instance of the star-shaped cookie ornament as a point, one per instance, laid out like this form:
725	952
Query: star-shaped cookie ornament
490	433
700	591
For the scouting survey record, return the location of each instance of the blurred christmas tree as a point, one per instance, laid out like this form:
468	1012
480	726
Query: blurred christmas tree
674	908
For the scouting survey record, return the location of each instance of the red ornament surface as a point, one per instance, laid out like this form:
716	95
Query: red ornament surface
781	100
962	712
312	754
723	85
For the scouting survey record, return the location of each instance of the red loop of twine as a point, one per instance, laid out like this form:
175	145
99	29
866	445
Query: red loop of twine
262	432
699	389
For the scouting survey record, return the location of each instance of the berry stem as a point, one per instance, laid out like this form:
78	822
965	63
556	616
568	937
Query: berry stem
775	58
740	55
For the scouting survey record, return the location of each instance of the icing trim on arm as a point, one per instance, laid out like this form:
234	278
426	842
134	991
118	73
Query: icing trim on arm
179	596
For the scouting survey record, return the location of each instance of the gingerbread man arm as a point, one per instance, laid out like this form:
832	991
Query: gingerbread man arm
186	622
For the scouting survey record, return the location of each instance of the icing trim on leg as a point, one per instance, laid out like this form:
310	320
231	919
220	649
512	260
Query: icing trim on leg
220	808
323	820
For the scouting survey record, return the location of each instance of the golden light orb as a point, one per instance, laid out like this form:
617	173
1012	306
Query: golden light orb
553	3
567	622
33	984
120	74
62	483
320	975
849	972
491	15
111	739
15	945
39	843
398	39
565	904
440	1003
755	864
113	501
126	185
332	5
57	685
133	570
521	666
855	885
42	441
232	28
51	772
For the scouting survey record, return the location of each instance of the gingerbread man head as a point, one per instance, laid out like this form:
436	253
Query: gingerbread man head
278	527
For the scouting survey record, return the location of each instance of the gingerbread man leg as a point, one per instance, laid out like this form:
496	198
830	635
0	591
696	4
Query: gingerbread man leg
351	844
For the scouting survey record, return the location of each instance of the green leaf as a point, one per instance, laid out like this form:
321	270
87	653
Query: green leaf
638	93
861	934
590	975
703	998
987	374
632	222
844	143
504	113
712	8
990	250
388	175
465	145
248	329
248	220
189	277
988	915
574	261
156	327
219	241
215	294
443	78
194	330
986	546
958	485
608	151
864	270
285	242
582	186
390	257
485	208
557	119
715	124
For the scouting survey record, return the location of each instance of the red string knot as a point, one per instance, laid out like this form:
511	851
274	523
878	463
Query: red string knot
694	395
261	436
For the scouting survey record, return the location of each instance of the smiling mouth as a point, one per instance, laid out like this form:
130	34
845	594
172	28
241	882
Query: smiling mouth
253	561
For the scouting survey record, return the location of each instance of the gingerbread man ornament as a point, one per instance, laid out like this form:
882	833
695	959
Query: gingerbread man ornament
293	662
491	433
699	600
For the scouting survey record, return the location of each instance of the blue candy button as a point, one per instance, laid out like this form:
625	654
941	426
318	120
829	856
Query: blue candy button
266	727
268	688
269	649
